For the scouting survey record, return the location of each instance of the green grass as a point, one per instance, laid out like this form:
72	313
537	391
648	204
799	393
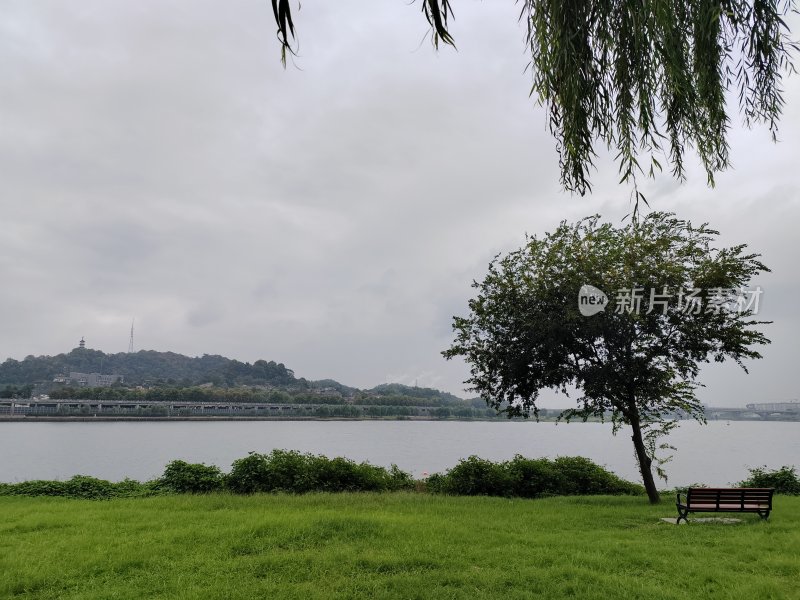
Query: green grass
394	545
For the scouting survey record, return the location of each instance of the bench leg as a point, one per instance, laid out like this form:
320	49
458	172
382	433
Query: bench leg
682	515
764	516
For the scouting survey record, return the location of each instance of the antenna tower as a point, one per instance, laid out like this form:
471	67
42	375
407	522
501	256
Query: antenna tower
130	344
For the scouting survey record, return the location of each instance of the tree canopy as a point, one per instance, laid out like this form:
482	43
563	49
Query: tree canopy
542	319
645	79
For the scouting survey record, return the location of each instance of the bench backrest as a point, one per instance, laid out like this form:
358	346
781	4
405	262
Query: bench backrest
730	497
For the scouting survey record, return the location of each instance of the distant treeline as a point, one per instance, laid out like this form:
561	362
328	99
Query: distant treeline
16	391
251	395
193	394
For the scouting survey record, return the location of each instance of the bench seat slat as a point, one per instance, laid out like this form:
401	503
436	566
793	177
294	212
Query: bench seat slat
737	506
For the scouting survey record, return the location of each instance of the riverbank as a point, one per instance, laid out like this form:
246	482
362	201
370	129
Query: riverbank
88	418
399	545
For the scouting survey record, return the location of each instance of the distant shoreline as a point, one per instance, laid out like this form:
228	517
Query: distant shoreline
107	418
89	418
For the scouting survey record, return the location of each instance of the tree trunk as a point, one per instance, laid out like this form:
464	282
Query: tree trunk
644	462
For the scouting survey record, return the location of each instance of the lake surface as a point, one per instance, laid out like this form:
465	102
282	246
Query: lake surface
715	454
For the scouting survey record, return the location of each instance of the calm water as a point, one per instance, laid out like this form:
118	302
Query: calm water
716	454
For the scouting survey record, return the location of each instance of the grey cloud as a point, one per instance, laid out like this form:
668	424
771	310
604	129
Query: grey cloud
157	162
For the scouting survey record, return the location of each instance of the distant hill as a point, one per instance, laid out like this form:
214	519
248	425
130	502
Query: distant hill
148	367
398	389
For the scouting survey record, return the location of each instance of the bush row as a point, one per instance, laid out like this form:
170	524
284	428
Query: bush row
283	471
288	471
530	478
278	471
81	486
294	472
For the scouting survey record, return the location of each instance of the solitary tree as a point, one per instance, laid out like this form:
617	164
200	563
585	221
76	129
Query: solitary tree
626	315
645	78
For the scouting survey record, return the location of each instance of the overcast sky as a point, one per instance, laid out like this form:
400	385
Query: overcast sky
157	162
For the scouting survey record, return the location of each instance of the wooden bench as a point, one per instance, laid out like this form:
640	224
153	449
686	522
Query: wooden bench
744	500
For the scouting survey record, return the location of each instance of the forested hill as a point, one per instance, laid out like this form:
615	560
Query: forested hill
398	389
151	368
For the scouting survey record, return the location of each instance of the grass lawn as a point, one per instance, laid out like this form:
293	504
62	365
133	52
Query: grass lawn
398	545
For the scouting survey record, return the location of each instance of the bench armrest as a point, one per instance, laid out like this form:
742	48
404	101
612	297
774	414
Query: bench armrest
678	499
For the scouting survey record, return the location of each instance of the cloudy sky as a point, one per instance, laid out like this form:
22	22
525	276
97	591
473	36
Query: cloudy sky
157	162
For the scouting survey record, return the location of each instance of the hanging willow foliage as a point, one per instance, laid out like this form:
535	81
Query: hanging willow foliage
644	77
283	17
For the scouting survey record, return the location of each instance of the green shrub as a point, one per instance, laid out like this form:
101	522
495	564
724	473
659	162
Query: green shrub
475	476
91	488
291	471
130	488
581	476
534	478
529	478
249	474
36	487
784	480
79	486
278	471
191	478
399	479
434	484
343	475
